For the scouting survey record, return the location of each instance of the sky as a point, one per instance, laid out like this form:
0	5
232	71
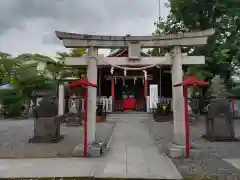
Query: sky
27	26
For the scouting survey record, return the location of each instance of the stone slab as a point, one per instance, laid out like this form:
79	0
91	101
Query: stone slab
134	154
51	167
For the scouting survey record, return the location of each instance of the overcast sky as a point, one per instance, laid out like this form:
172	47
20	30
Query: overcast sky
27	26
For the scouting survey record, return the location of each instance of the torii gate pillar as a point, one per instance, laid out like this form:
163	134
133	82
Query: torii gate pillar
92	93
178	99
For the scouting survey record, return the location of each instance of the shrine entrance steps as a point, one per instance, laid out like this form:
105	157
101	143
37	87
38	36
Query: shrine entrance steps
129	116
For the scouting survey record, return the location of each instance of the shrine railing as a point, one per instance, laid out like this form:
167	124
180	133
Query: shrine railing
107	103
194	103
140	105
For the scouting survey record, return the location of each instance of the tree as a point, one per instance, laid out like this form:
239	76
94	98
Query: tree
24	78
222	51
8	67
69	71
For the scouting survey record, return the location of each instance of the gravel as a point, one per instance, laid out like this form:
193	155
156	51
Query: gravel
14	136
206	157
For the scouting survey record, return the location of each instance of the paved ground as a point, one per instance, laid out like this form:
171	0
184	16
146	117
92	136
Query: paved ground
14	136
208	159
133	153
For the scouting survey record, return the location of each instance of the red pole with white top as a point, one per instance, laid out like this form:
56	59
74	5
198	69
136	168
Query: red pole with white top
187	130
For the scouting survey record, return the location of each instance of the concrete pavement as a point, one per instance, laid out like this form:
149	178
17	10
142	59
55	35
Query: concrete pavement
133	154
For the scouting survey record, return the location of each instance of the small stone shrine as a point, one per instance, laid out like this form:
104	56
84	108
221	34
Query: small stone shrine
74	117
219	121
47	124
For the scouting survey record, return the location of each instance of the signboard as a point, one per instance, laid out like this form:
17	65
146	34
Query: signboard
153	96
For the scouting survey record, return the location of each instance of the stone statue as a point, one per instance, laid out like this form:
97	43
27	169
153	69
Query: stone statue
47	124
74	117
219	121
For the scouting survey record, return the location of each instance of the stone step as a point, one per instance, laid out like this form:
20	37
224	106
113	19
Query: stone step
129	117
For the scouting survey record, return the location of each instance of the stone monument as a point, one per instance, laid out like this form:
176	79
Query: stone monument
46	124
219	121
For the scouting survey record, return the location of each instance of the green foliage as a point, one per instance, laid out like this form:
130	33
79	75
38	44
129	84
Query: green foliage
64	71
77	52
12	102
222	51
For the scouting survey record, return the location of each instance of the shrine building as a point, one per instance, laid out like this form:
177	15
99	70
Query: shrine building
130	91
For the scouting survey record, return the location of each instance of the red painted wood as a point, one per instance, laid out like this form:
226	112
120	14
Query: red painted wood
85	122
113	90
185	92
129	103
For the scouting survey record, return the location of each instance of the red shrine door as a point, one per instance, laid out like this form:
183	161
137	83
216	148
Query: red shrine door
128	95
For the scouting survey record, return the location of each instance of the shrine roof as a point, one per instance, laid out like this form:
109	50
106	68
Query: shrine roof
120	52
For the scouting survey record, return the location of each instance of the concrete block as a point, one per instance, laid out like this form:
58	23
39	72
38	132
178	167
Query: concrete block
94	149
176	151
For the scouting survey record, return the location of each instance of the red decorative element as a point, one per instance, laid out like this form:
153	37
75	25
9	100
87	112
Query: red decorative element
113	89
84	83
188	81
139	106
191	81
118	105
129	103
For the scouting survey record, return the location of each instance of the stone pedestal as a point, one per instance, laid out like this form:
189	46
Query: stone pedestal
46	124
74	120
46	130
219	122
95	149
176	151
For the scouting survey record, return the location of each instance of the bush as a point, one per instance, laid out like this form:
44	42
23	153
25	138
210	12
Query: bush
12	102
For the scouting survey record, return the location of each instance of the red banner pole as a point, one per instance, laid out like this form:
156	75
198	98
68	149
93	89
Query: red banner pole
113	93
185	92
85	120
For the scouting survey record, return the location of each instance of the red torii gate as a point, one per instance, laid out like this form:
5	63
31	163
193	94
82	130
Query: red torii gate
85	84
188	81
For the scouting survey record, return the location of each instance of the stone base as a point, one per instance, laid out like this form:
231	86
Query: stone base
73	124
176	151
93	150
39	139
162	118
73	121
220	139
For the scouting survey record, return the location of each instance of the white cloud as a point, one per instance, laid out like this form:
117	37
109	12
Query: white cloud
29	25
